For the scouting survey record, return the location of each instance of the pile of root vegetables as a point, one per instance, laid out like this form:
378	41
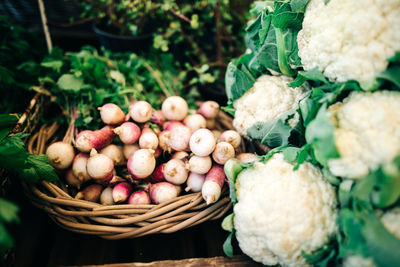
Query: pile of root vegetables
148	156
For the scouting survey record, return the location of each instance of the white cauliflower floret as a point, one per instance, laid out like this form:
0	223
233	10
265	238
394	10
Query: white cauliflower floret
281	212
349	39
391	220
367	132
269	98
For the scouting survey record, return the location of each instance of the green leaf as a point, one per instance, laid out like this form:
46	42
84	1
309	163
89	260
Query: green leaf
237	80
227	247
8	211
55	65
232	168
7	122
70	83
227	223
311	75
38	168
391	74
290	154
298	5
6	240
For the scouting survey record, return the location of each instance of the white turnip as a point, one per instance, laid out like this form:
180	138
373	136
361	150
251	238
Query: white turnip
163	138
91	193
247	157
195	122
158	174
128	132
175	171
200	165
148	139
195	182
128	150
232	137
79	167
106	197
211	190
111	114
115	153
209	109
202	142
179	138
140	111
86	140
141	164
223	152
71	179
157	117
174	108
60	155
121	192
100	167
162	192
139	198
182	155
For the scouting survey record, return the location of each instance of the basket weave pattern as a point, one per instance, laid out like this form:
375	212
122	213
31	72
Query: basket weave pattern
121	221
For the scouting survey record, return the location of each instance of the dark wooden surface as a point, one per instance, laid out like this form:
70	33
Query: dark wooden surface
40	242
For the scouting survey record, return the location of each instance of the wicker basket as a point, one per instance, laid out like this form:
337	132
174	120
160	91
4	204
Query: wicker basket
121	221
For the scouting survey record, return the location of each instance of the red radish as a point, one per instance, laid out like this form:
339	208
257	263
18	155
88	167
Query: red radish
90	193
195	182
128	132
60	155
115	180
169	125
79	167
247	157
182	155
139	198
158	174
175	171
121	192
140	111
179	138
163	138
162	192
211	190
157	152
106	197
217	134
195	122
223	152
141	164
71	179
210	123
209	109
174	108
128	150
100	167
114	153
232	137
148	139
111	114
86	140
200	165
157	117
202	142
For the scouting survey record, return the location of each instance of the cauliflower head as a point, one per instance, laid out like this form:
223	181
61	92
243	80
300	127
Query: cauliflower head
349	39
269	98
281	212
367	132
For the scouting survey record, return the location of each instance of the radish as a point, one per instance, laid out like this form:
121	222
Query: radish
90	193
139	198
140	111
232	137
209	109
71	179
128	150
175	171
114	153
163	138
111	114
202	142
106	197
217	134
200	165
223	152
247	157
121	192
60	155
79	167
157	117
128	132
179	138
210	123
174	108
169	125
158	174
86	140
211	190
195	182
148	139
157	152
164	191
141	164
100	167
115	180
182	155
195	122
